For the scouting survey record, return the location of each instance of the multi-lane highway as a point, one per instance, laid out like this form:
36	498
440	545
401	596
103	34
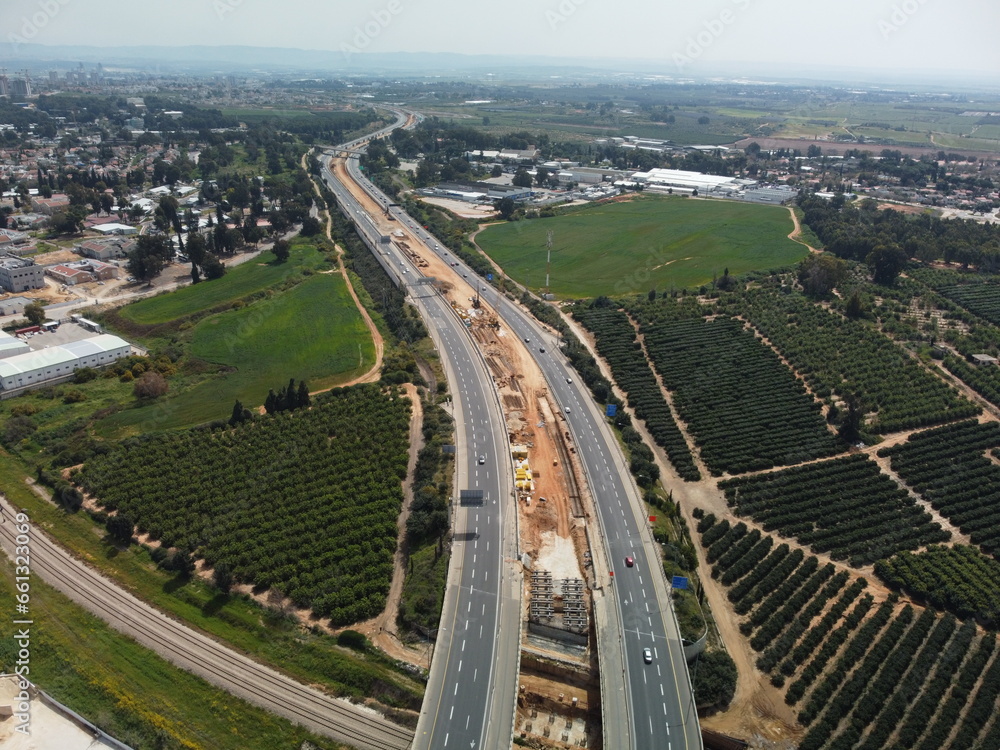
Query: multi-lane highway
469	701
646	705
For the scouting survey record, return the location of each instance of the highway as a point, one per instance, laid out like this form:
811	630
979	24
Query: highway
469	701
197	653
645	706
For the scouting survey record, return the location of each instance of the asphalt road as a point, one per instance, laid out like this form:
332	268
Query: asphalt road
199	654
658	697
649	705
469	701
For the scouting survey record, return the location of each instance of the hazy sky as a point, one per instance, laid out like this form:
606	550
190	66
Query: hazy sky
684	36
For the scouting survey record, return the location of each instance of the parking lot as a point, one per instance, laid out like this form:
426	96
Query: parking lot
64	334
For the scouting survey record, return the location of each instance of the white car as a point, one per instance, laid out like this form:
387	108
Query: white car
647	656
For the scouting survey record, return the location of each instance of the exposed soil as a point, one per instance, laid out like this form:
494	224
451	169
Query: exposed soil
552	531
374	372
796	234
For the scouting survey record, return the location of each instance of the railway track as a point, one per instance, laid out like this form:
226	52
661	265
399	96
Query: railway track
203	656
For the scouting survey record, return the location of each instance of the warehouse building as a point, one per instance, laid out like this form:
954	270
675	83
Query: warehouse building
59	361
11	345
680	180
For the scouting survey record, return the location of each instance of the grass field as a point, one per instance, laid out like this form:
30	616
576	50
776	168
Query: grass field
649	242
312	332
247	278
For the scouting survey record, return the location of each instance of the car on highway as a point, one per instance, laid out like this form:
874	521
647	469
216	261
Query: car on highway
629	562
567	410
527	340
647	656
569	381
482	459
541	349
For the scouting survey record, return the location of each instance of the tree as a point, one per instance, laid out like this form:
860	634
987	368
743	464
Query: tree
303	398
310	227
149	256
505	207
715	679
281	250
885	262
120	528
196	247
850	428
279	222
496	171
195	276
541	175
240	414
69	221
222	577
35	313
522	178
854	308
652	295
213	267
150	385
820	274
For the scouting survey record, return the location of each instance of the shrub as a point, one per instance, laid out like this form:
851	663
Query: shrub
150	385
352	639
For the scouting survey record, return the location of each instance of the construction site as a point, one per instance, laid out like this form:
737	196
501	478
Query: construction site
558	702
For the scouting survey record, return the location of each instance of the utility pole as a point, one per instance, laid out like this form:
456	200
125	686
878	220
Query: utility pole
548	262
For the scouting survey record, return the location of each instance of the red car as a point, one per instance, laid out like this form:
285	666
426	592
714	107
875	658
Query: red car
629	562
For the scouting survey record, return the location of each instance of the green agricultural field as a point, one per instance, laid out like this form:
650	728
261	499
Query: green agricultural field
645	243
312	332
247	278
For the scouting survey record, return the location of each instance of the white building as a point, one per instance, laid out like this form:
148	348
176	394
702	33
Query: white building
58	361
11	345
20	274
115	228
688	181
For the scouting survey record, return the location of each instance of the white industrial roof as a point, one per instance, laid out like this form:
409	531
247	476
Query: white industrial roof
682	178
8	342
112	227
30	361
95	345
59	355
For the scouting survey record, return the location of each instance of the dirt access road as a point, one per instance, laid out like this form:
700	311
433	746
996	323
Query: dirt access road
552	532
